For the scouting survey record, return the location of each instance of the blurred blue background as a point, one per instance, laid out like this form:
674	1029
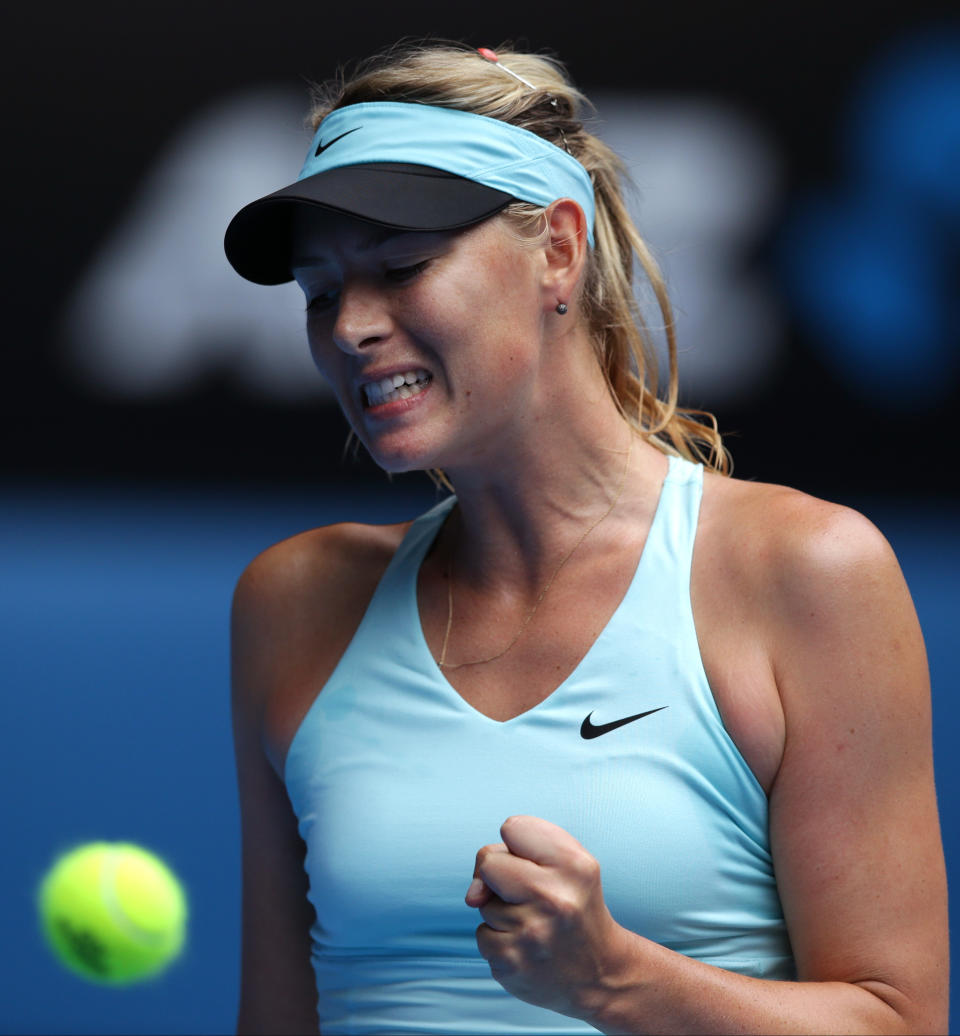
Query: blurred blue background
798	175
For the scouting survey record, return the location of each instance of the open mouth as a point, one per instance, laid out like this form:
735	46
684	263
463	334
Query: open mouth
397	386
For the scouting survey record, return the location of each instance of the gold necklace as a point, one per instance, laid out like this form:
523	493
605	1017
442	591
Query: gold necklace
444	664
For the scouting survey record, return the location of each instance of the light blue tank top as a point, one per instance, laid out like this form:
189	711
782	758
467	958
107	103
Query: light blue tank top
397	782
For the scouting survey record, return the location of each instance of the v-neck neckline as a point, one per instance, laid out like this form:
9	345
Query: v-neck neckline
430	663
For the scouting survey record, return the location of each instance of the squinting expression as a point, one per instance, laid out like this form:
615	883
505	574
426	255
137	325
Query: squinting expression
430	340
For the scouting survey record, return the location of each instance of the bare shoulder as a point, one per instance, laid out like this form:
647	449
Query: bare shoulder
810	575
791	546
828	591
791	566
295	609
314	567
308	581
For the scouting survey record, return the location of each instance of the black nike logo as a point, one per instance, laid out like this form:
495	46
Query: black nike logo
588	730
321	147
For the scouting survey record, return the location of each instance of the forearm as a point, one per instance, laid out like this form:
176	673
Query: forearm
654	990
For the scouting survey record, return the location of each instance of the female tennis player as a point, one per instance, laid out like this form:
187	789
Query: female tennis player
608	739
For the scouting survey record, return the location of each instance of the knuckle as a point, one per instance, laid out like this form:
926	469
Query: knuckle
562	902
565	906
498	961
588	867
483	854
551	901
537	934
485	942
535	941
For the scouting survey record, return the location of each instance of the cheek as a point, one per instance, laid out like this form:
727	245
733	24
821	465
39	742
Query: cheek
320	342
488	314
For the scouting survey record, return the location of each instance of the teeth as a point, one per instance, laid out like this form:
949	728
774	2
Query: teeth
397	386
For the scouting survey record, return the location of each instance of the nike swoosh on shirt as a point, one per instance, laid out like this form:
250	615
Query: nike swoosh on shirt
321	147
588	730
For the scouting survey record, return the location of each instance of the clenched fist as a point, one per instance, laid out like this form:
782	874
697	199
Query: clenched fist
547	934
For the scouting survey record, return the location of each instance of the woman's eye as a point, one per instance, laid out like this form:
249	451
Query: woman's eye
406	273
321	302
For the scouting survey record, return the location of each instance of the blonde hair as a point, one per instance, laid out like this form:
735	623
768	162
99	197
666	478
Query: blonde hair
450	75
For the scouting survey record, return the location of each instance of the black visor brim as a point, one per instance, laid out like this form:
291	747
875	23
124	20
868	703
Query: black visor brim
397	195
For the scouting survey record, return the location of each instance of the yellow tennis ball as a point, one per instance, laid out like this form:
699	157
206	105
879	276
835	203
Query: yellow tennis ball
113	912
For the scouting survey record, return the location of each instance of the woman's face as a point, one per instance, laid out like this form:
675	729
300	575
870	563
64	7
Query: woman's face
431	341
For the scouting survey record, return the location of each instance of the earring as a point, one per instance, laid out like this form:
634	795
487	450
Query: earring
561	308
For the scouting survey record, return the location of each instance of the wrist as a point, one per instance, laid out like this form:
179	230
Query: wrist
617	980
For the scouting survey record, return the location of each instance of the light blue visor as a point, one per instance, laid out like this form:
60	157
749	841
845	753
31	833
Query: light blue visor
488	151
410	166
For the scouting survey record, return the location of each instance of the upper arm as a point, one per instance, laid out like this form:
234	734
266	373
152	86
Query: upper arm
294	612
278	992
853	816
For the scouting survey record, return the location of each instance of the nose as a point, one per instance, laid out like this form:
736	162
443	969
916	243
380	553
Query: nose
363	317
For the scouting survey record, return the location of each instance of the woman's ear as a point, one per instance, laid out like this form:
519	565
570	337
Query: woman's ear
566	253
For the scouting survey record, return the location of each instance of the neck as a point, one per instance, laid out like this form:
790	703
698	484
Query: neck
521	629
520	512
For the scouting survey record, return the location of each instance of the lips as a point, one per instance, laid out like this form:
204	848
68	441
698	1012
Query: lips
393	387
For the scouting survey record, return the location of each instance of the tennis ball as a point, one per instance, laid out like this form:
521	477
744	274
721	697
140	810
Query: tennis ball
113	912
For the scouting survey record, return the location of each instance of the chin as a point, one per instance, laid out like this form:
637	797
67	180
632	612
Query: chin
397	448
399	458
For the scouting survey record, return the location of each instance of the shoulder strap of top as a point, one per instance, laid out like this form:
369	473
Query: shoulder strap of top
422	532
405	563
684	486
664	574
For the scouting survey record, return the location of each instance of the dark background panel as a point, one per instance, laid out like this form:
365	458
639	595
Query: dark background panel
97	91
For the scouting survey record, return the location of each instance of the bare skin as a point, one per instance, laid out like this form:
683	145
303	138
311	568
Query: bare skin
807	635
